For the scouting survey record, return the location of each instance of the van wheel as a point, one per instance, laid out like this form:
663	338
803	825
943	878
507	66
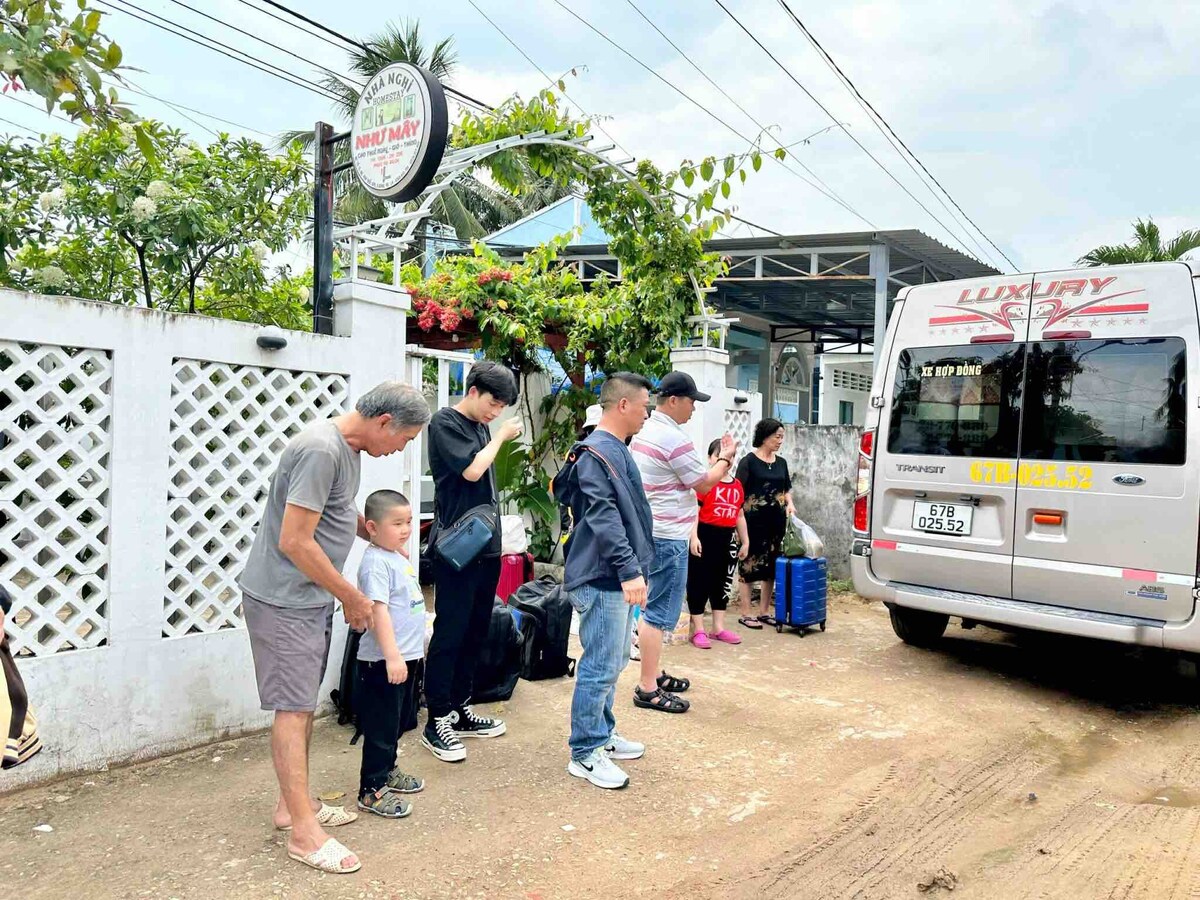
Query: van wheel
917	627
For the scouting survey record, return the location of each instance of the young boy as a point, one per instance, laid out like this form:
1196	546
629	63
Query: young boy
390	664
462	454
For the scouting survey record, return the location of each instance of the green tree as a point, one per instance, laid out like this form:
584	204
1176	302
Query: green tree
188	230
1147	246
472	207
64	59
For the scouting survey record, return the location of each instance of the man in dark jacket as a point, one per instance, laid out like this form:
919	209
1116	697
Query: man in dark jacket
611	551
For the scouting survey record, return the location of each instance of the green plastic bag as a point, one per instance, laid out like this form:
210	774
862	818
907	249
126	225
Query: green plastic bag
800	540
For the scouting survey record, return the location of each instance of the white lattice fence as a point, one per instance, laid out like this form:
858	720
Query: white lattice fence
738	425
56	414
229	425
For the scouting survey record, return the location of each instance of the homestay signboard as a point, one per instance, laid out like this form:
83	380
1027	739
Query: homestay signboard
399	132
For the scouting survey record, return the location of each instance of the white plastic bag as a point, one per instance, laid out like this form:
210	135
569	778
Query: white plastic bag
814	547
513	536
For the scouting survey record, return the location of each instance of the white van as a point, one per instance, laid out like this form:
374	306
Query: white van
1031	457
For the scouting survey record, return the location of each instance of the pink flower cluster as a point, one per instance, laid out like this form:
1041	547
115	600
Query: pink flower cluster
494	275
430	313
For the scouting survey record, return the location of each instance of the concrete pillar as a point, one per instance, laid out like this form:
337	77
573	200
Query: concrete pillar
707	365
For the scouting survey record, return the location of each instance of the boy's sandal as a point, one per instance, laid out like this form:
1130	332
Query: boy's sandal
328	858
385	803
660	700
671	684
767	620
750	622
400	783
331	816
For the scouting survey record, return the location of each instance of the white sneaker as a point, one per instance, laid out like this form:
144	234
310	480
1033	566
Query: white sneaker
621	748
601	771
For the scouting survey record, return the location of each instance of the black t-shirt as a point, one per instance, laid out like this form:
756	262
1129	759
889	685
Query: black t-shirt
454	440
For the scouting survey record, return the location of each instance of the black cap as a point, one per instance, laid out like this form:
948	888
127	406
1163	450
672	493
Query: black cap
681	384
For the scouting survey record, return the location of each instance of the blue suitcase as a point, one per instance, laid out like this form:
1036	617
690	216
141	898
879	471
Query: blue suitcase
801	591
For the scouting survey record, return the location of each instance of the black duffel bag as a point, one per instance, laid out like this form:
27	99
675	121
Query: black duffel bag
545	608
498	666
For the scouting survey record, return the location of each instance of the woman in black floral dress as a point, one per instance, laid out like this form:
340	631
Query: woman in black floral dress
768	484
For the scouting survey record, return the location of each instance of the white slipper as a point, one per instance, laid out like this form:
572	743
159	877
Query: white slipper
328	858
331	816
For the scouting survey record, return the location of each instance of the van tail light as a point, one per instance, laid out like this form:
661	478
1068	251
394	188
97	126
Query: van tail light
862	492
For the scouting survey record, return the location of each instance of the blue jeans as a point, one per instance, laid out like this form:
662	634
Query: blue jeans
668	584
605	624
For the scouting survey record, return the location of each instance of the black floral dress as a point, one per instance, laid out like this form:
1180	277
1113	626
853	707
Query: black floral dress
767	486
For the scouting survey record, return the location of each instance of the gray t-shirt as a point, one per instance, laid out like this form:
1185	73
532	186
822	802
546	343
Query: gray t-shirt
388	577
320	472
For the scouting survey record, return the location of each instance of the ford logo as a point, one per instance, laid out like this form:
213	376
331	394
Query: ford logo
1129	480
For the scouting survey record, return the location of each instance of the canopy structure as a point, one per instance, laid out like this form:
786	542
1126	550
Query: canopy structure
798	296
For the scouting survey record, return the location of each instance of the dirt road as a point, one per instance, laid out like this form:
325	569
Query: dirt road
841	765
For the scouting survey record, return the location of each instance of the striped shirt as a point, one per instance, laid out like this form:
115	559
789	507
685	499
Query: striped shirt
671	469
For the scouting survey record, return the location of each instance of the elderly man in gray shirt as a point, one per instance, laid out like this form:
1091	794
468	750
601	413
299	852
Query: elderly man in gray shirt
291	579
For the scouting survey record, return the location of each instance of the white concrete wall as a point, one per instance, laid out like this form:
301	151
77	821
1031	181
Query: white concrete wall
860	365
141	694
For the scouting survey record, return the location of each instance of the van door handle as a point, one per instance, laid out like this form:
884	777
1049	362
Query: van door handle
1048	518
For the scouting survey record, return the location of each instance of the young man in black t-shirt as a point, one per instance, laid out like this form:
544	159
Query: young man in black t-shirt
461	456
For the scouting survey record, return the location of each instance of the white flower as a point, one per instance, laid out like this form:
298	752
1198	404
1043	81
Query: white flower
260	250
52	201
127	131
156	190
304	293
144	209
182	154
50	276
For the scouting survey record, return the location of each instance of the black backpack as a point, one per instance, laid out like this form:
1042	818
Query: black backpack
498	666
343	695
545	608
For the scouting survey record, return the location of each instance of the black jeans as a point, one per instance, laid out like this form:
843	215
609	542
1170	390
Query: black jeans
708	573
385	712
463	603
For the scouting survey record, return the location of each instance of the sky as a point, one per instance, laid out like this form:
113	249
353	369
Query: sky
1052	124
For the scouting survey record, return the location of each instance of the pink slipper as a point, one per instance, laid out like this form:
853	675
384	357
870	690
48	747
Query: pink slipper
700	639
727	636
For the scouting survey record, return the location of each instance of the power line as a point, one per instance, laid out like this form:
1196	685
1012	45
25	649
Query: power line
962	243
758	124
530	60
52	115
19	127
180	106
359	44
542	71
252	61
707	111
875	115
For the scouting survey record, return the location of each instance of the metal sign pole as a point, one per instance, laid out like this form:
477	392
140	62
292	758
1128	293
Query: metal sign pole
322	294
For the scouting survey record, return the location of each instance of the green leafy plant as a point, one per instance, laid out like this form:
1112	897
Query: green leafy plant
64	58
188	230
516	311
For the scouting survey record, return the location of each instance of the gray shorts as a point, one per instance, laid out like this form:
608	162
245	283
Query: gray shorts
291	649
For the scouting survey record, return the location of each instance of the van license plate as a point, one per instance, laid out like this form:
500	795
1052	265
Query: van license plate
943	518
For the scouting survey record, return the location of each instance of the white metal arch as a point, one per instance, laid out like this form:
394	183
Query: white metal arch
373	235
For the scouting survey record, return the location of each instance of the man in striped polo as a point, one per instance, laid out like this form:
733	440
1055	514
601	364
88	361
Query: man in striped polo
673	472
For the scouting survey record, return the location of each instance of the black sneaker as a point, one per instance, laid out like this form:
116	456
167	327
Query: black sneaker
468	724
440	740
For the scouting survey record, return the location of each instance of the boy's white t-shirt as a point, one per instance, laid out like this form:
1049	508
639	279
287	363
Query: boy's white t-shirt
386	576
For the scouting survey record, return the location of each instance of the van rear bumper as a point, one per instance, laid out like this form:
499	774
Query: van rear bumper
1183	636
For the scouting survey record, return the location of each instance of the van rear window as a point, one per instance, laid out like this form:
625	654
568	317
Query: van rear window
1118	401
957	401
